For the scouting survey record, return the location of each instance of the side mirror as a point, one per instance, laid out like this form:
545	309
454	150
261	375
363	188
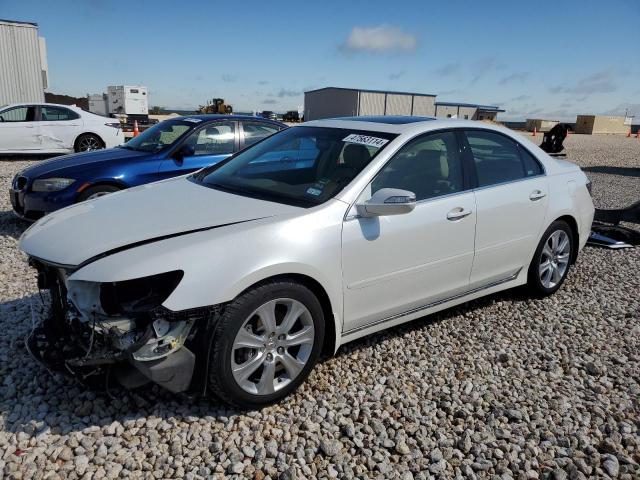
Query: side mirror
183	152
388	201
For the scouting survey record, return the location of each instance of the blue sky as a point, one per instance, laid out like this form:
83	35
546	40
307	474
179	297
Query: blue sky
551	59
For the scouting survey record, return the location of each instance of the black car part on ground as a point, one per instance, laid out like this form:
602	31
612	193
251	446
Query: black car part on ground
68	345
552	142
606	230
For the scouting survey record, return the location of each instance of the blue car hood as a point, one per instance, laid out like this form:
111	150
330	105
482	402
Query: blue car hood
81	160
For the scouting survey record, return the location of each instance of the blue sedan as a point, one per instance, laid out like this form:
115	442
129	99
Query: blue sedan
170	148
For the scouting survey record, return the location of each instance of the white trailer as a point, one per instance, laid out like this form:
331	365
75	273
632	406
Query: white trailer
130	100
98	104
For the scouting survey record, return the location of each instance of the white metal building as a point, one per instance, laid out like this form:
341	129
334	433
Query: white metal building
344	102
466	111
23	63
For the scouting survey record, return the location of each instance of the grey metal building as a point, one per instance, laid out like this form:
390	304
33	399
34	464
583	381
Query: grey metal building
23	63
466	111
345	102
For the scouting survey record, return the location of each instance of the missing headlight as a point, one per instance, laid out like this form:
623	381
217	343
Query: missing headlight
139	295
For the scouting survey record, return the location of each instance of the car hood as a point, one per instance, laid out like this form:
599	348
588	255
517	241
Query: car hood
81	160
153	212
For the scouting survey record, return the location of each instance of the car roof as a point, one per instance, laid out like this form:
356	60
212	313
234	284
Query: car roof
42	104
399	124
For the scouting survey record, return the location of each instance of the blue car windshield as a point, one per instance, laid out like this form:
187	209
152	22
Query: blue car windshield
302	166
161	135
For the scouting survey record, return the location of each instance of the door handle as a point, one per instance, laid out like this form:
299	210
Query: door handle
536	195
457	214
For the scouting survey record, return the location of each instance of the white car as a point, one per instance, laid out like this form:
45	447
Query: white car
231	281
51	128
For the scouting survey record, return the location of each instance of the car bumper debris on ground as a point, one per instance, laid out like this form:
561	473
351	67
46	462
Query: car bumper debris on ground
503	386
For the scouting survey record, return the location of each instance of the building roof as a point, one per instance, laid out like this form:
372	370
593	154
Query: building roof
491	108
372	91
2	20
388	119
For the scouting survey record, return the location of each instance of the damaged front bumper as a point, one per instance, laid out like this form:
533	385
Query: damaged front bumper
94	331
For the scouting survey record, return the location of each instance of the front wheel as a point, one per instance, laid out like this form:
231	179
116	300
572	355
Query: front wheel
551	262
96	191
265	344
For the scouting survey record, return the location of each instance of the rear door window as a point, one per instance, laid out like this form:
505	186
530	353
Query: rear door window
499	159
57	114
256	131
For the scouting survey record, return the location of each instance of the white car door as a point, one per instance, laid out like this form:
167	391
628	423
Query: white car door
18	131
58	127
394	264
512	201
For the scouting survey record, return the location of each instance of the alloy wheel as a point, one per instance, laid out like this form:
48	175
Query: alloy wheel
272	346
89	144
554	259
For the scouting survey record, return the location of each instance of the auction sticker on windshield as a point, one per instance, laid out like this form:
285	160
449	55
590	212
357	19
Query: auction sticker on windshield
365	140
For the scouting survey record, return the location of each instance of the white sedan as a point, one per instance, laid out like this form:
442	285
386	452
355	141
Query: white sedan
51	128
231	281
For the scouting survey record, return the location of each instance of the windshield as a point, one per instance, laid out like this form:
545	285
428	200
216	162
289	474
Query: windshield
161	135
302	165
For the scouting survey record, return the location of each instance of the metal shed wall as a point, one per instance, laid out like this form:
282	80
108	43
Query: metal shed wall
594	124
470	113
398	104
331	102
371	103
424	106
21	75
446	111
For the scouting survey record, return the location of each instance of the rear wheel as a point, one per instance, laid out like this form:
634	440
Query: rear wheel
97	191
551	262
265	344
88	142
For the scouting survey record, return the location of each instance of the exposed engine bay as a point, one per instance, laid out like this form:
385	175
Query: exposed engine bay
92	327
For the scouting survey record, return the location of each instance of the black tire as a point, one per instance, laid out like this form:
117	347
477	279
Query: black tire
535	282
88	142
221	381
97	191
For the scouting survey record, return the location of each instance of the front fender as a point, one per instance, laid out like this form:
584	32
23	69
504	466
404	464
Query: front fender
219	264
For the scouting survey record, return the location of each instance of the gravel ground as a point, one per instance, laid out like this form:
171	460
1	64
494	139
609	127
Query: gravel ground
504	387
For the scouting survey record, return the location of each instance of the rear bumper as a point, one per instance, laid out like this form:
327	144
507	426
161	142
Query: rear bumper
112	137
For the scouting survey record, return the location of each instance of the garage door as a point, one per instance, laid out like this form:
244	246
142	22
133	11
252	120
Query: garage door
398	104
371	103
424	106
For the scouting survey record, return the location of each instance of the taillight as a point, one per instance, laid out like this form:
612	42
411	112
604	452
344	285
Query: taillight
114	125
588	185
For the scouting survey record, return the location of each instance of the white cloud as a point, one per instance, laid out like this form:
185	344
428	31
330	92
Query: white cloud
380	39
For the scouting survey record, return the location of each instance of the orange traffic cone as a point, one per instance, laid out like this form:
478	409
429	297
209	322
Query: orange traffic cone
534	132
136	132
